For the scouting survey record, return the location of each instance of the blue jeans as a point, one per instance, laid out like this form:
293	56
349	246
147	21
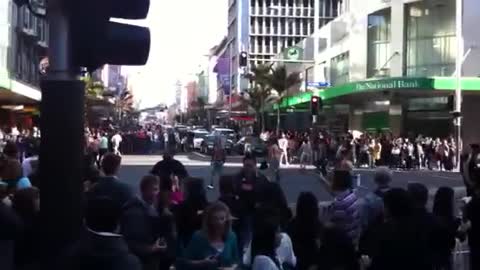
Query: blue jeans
217	169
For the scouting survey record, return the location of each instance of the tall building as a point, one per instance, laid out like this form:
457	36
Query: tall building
23	47
264	28
391	66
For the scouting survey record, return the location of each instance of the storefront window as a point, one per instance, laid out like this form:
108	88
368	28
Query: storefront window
430	38
379	33
340	69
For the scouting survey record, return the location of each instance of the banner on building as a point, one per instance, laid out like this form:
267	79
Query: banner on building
222	68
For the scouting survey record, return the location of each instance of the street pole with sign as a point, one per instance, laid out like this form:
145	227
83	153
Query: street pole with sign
458	76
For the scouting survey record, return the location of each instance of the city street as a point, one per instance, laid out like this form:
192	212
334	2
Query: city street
292	179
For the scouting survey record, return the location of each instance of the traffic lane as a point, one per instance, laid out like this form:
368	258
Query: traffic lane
293	181
430	179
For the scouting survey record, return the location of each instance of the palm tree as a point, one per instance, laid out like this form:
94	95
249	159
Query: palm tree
93	89
257	95
281	81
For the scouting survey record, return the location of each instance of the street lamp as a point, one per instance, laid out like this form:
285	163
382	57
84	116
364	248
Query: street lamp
458	77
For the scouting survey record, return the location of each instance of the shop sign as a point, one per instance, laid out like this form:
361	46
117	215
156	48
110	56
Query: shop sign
389	84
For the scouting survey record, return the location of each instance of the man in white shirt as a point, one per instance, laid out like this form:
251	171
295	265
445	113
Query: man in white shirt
283	144
116	140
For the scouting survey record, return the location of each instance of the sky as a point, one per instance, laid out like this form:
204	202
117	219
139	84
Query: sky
182	32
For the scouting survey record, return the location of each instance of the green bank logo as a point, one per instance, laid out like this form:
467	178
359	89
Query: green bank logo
388	84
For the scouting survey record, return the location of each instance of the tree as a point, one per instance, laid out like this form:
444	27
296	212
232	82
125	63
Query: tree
281	81
93	90
257	95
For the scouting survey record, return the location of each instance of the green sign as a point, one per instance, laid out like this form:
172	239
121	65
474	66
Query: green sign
391	84
294	53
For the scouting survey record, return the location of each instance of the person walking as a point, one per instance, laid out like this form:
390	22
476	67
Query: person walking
116	140
283	144
274	154
102	148
218	160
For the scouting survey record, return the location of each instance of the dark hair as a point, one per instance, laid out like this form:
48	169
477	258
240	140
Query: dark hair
418	193
195	192
342	180
148	181
102	214
264	239
249	156
272	195
307	207
166	183
443	202
11	150
226	184
23	202
398	203
111	163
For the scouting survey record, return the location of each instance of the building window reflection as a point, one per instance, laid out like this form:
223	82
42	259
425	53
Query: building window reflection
340	69
430	38
379	35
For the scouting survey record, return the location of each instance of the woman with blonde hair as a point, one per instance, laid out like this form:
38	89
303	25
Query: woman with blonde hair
215	245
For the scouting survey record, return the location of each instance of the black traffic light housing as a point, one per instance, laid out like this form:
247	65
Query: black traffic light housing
316	105
243	62
97	41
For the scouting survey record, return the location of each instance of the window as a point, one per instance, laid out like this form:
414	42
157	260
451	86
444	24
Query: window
379	34
430	39
340	69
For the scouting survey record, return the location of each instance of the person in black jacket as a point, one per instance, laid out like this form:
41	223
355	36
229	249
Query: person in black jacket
11	227
403	244
189	213
102	248
164	226
237	210
109	185
26	203
168	166
445	241
304	230
138	224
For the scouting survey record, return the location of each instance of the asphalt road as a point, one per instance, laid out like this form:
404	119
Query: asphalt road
293	180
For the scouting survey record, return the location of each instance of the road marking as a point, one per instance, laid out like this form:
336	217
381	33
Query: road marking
199	154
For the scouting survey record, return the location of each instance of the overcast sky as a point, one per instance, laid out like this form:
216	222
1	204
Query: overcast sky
182	32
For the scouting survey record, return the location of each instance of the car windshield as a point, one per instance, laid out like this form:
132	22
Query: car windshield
200	135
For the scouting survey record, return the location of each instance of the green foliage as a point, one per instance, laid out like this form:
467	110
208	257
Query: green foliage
93	88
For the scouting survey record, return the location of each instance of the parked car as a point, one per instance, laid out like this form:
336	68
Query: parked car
229	133
208	142
257	146
197	138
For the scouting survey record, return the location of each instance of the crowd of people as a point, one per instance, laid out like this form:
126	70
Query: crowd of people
171	223
250	225
363	150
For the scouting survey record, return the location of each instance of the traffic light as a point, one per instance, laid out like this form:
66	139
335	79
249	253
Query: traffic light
243	59
315	104
96	40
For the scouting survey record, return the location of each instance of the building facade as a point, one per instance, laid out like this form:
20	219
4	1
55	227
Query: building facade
264	28
391	66
23	47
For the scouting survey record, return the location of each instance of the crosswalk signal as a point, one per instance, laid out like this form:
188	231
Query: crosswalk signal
96	40
315	104
243	59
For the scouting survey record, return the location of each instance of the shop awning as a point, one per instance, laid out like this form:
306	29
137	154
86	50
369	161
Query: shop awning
400	84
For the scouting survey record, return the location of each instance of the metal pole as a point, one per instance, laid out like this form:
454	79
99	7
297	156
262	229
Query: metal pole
62	142
458	77
230	72
316	45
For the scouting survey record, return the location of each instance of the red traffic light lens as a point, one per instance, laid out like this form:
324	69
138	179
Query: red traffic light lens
314	100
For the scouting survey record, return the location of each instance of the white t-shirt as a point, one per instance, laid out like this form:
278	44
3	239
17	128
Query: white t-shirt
283	143
285	252
262	262
116	139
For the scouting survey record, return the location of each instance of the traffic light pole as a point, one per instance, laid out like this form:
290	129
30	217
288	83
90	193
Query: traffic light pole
62	143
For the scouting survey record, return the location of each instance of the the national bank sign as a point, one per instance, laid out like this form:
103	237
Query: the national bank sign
390	84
